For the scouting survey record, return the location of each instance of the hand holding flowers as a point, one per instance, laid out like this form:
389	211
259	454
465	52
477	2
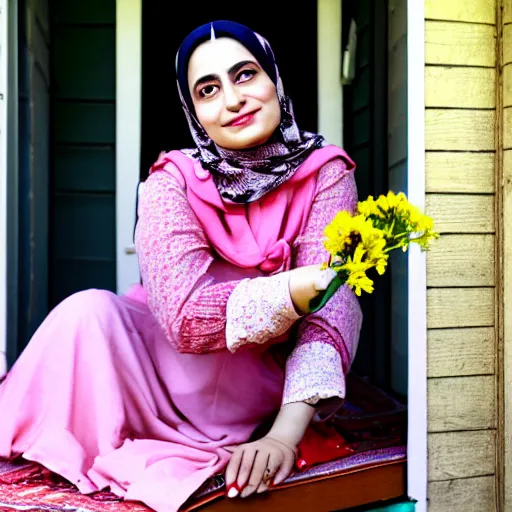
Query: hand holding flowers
363	241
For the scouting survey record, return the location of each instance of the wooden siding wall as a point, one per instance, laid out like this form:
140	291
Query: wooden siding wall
460	99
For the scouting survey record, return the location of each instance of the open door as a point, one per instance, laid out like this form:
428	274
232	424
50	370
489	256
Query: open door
365	135
33	186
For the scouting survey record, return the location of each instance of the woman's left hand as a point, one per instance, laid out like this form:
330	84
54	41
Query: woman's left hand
306	282
255	466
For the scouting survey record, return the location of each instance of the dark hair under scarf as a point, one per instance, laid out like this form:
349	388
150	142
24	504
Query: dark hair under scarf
243	176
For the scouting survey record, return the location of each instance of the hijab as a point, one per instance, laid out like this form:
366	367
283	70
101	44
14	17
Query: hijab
244	176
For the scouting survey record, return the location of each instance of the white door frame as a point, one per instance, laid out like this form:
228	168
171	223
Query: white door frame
128	140
128	129
3	182
417	477
330	90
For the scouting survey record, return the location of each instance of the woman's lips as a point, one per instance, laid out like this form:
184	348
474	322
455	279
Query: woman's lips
245	119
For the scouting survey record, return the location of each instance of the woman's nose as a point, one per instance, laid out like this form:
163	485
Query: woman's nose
233	98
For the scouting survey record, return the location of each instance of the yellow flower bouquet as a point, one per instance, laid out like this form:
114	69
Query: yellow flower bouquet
363	241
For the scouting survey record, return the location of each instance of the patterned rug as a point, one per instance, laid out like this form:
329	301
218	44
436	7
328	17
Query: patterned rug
30	487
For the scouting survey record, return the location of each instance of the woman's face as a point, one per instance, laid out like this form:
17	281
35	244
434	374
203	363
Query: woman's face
234	99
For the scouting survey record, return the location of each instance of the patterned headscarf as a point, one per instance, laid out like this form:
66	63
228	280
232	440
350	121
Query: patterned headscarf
245	176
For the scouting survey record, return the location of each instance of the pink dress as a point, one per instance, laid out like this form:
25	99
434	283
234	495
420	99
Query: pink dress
142	392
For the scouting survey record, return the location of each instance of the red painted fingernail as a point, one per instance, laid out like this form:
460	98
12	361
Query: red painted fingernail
233	490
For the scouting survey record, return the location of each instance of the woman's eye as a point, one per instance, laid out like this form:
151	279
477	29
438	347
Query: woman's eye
245	75
208	90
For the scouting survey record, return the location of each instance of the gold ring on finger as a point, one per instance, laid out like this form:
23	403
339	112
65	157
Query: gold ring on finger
268	475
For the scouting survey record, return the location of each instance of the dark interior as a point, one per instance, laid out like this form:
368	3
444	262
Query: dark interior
293	42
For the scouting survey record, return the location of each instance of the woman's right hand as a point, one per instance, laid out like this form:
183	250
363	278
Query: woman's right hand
255	466
305	283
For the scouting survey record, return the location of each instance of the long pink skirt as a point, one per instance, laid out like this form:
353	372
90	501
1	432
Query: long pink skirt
100	397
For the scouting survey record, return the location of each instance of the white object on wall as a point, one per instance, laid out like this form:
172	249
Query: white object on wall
348	71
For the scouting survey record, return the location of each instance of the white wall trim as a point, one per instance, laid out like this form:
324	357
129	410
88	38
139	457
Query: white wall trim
330	90
128	130
417	476
3	183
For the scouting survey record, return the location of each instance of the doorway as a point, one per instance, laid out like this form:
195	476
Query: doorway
295	45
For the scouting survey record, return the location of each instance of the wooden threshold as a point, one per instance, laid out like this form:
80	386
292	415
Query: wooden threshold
338	492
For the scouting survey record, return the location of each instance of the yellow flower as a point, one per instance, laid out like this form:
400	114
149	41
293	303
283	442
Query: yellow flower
357	239
364	240
374	244
368	207
345	231
360	281
337	232
395	200
383	204
356	267
384	208
415	220
355	263
417	227
374	253
381	264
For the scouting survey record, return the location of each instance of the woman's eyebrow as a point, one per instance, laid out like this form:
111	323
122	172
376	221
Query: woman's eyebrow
204	79
232	70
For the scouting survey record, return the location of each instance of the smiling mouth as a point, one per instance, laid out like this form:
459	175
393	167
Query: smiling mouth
239	121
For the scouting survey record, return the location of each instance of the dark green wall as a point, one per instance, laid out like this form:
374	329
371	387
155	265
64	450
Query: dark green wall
82	191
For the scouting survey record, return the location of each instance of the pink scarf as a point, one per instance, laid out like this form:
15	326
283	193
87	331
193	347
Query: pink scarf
257	234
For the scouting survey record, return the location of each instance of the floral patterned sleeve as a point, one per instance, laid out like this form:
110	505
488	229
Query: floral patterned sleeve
328	339
258	310
189	303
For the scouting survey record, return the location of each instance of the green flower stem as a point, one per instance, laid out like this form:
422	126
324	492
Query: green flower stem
322	298
401	235
397	246
390	230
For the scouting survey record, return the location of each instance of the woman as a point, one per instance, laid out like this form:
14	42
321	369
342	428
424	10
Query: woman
152	393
